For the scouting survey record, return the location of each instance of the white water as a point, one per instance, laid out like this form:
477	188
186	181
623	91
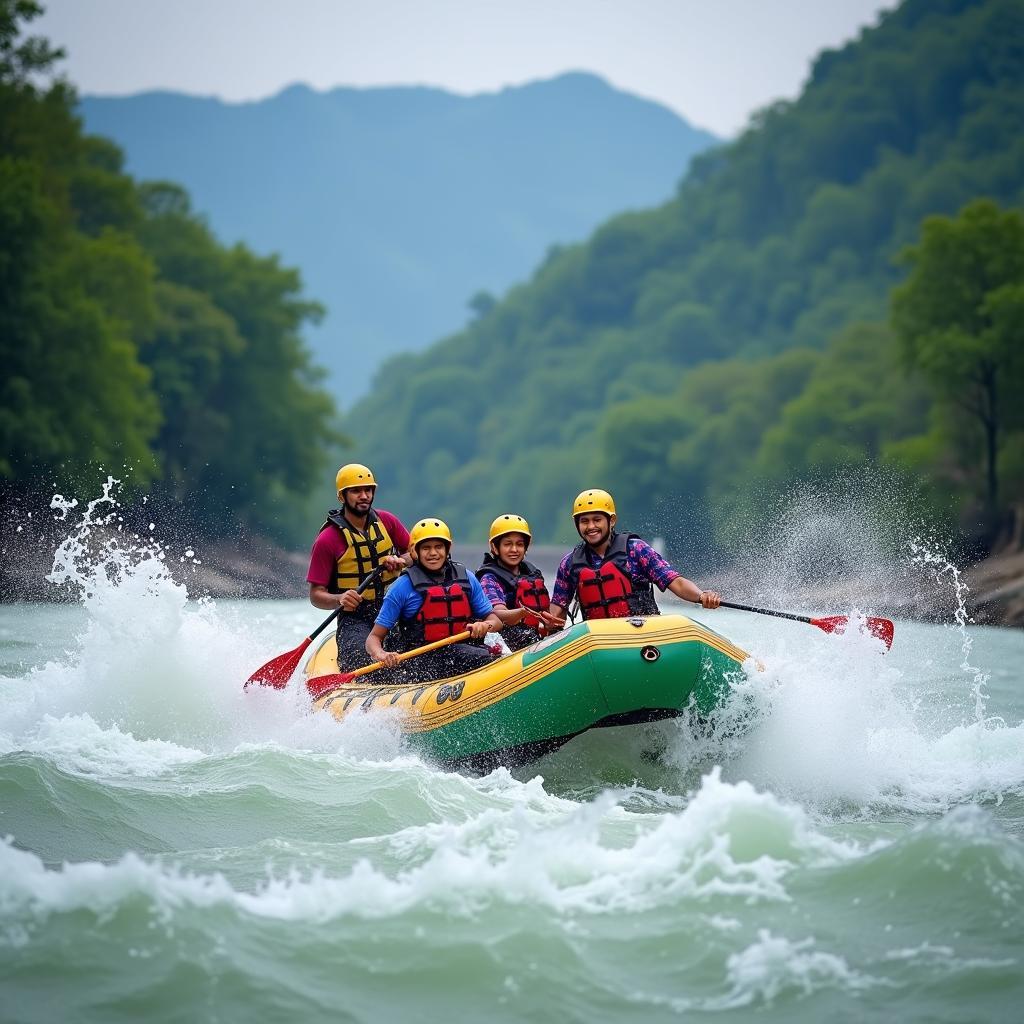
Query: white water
161	786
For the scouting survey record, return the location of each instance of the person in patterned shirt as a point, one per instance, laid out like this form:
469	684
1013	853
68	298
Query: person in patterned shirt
514	586
612	574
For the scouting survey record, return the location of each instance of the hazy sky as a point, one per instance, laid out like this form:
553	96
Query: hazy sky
713	61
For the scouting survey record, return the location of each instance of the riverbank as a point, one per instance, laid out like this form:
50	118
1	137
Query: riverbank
248	566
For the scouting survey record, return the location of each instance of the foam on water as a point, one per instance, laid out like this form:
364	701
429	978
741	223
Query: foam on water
154	677
836	721
832	721
730	843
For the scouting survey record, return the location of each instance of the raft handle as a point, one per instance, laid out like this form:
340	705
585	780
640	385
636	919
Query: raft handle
650	653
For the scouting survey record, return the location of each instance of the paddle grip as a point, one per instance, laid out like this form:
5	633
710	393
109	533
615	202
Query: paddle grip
375	575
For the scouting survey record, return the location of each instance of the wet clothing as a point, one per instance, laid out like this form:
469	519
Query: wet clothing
339	565
524	589
352	634
627	555
453	660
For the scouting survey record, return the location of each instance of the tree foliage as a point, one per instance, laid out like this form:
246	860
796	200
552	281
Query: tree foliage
131	338
960	318
684	352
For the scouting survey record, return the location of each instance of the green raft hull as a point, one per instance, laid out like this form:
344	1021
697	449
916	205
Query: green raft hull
595	674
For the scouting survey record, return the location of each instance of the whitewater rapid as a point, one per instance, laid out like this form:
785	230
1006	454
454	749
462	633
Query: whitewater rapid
846	838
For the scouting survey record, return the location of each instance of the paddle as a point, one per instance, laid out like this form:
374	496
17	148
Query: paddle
319	685
881	628
278	671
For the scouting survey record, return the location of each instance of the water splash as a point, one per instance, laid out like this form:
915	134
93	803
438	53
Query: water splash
947	575
152	666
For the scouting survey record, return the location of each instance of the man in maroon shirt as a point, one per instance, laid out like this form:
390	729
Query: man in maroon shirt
352	544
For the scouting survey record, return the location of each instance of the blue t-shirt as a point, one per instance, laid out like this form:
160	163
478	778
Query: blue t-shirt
403	601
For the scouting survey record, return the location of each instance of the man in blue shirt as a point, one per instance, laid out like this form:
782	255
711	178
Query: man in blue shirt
433	599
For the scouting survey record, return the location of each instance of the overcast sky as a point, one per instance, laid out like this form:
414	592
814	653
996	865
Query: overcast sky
712	61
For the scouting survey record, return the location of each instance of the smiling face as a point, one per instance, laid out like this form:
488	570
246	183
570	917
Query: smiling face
431	554
595	527
510	548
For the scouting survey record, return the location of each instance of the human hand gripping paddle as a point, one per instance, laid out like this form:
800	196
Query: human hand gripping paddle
881	628
278	671
319	685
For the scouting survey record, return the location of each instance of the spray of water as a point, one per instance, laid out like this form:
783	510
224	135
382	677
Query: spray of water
153	666
836	721
948	576
833	721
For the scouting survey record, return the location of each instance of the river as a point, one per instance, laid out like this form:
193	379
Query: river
178	850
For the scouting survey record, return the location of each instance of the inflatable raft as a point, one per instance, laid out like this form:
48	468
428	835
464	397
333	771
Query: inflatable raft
595	674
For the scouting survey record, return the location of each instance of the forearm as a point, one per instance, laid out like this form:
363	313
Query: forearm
685	589
320	597
689	591
507	616
375	643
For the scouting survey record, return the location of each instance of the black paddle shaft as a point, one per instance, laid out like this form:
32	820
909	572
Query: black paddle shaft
767	611
375	575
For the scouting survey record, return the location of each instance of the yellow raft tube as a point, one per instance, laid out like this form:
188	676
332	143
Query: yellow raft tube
594	674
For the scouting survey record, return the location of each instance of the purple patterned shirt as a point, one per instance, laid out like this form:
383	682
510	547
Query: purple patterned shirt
493	589
643	563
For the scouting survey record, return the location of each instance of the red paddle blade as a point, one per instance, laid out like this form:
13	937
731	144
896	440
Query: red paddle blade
881	628
278	671
319	685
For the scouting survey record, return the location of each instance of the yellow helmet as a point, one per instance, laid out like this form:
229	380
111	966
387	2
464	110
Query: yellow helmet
509	523
354	475
593	500
429	529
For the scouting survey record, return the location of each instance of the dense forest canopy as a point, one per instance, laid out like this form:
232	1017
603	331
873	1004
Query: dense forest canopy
738	338
132	341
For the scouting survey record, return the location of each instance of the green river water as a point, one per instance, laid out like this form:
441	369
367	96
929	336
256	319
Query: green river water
175	850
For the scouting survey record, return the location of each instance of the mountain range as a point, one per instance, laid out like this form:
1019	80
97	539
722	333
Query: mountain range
406	209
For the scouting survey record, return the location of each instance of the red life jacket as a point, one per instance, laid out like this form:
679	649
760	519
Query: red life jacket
608	592
446	609
525	590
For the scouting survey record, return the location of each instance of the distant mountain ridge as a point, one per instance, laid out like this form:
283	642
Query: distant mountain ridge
399	204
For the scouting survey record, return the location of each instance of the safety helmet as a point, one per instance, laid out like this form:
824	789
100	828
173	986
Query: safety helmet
429	529
593	500
509	523
354	475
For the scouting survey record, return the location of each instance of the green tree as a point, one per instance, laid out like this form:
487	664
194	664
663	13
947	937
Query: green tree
960	320
129	336
73	392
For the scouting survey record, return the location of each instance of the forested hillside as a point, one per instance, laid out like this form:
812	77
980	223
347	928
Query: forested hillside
132	341
400	204
696	356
